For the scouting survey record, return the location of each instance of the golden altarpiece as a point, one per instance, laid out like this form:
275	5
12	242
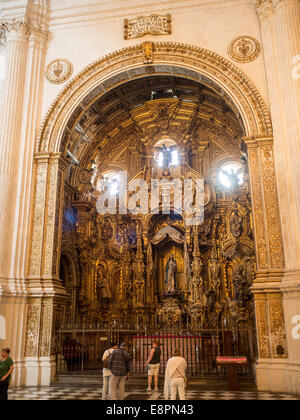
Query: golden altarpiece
115	266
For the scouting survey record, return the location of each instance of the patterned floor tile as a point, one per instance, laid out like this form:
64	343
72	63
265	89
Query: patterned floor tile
135	393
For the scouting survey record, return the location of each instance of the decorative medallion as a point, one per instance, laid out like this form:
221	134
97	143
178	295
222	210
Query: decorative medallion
143	25
59	71
244	49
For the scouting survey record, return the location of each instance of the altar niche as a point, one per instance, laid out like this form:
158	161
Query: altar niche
159	271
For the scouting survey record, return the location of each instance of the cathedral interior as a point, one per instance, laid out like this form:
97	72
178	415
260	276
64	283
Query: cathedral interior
155	271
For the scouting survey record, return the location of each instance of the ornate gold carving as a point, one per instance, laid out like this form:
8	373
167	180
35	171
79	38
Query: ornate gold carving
277	327
170	314
38	219
258	212
59	71
272	208
46	328
206	62
262	328
143	25
33	328
148	49
244	49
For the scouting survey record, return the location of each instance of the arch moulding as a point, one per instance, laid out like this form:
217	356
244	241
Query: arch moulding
235	87
169	58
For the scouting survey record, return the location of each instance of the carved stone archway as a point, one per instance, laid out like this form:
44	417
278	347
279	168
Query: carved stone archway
94	81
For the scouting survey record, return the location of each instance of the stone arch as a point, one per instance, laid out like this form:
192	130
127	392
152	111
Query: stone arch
169	58
117	68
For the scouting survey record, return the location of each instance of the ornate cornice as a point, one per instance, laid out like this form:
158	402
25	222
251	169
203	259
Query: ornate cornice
209	66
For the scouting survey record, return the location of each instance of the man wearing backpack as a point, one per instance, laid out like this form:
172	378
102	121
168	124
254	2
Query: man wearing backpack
106	369
120	366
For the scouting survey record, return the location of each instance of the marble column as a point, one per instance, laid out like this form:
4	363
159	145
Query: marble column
16	33
280	28
24	40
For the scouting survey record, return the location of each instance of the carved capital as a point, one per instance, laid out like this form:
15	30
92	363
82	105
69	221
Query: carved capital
39	33
281	3
16	29
3	30
265	8
22	29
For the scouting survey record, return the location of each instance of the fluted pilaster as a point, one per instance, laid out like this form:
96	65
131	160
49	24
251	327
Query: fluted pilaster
280	28
11	107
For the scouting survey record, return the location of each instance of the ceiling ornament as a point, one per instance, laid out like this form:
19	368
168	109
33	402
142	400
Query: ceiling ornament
59	71
143	25
244	49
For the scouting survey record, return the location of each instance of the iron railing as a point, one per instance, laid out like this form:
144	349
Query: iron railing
80	348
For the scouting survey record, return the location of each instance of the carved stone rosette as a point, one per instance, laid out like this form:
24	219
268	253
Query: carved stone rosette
244	49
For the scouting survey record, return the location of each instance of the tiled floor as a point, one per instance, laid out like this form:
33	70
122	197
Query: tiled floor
92	392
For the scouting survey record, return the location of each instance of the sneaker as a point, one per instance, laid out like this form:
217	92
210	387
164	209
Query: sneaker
149	390
156	390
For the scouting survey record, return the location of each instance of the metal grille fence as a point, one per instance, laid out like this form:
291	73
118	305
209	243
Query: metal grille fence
80	349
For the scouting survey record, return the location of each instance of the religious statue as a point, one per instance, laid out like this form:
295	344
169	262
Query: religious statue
233	179
103	290
236	224
171	269
167	156
240	286
215	276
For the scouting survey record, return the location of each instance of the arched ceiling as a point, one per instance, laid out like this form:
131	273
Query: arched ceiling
139	112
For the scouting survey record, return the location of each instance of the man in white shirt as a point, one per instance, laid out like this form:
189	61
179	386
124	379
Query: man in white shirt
106	370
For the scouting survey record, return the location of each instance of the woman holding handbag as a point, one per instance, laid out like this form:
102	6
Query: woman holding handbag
175	378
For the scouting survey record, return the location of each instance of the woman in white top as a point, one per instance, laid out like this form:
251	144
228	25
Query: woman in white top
175	377
106	370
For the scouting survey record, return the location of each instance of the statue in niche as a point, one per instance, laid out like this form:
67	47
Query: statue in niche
240	286
236	224
103	290
233	179
167	156
171	269
106	230
215	278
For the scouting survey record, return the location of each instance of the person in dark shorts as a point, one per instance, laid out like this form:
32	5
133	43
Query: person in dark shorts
6	368
153	363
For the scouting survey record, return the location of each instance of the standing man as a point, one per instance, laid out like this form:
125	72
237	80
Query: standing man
6	368
106	369
153	363
120	367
